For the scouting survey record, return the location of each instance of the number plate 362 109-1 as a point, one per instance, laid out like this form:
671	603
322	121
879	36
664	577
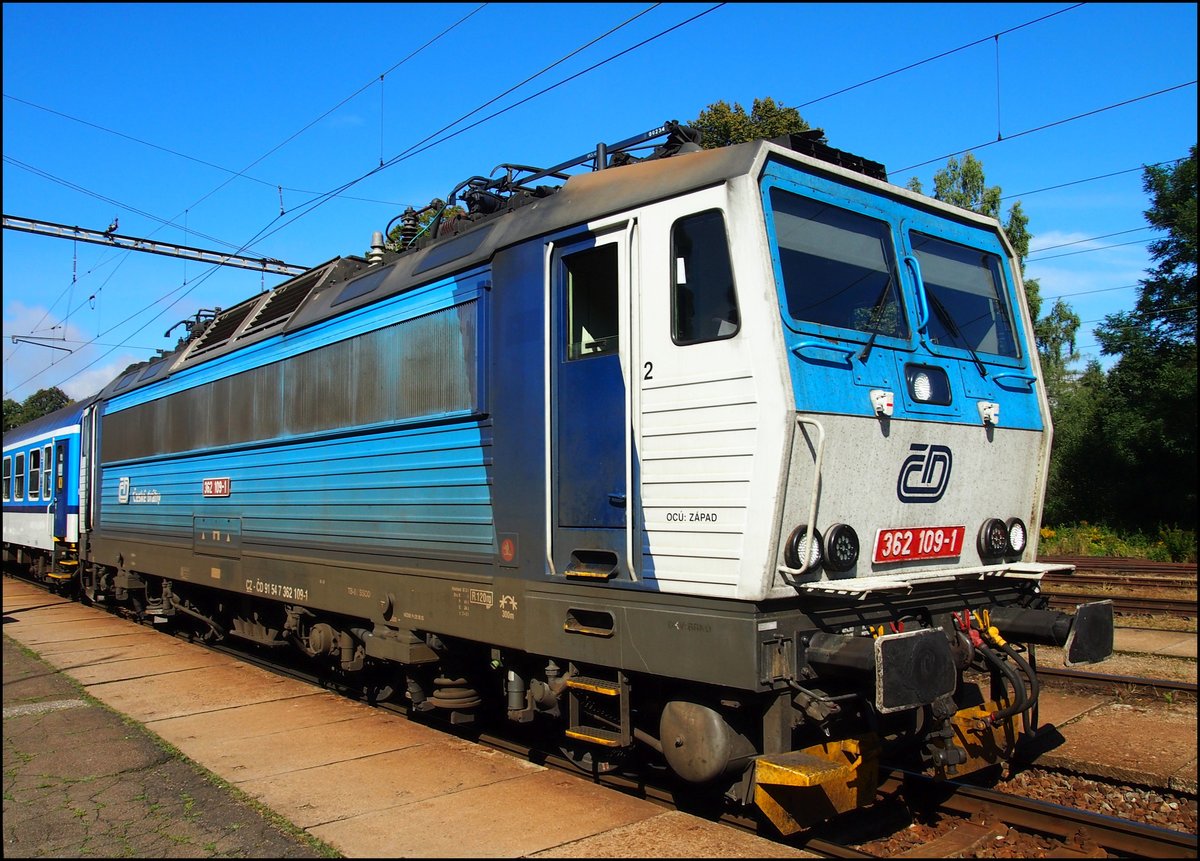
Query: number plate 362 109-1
918	542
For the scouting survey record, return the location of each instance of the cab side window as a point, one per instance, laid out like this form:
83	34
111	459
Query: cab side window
7	479
592	303
703	300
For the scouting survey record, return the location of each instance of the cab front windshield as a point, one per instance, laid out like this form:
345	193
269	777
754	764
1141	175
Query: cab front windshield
838	266
839	270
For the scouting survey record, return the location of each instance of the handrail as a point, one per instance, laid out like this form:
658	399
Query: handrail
922	299
812	502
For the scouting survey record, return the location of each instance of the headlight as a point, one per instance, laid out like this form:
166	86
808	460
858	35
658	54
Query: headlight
922	387
928	384
993	539
841	547
802	544
1018	535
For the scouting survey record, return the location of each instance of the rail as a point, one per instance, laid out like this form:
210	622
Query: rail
1109	833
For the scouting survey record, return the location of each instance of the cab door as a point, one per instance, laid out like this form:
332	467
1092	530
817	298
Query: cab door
589	410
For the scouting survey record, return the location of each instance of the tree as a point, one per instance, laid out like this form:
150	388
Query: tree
721	125
12	413
1149	416
40	403
1165	313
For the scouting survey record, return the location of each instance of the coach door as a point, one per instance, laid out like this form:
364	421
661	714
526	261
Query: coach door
60	489
590	420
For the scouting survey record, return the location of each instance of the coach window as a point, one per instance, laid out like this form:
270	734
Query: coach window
703	301
47	473
19	476
7	479
592	302
35	473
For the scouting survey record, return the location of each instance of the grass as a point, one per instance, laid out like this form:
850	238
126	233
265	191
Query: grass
1170	544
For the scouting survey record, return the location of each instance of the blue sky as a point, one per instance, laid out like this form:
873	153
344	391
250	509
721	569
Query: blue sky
148	113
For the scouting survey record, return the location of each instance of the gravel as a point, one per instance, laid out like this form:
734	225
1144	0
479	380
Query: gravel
1138	804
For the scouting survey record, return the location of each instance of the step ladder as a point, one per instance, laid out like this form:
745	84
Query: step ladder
588	700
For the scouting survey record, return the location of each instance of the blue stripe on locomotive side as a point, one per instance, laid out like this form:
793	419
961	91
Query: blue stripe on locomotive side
828	372
404	491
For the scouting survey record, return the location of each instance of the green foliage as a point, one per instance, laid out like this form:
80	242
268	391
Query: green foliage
1144	430
1167	544
721	125
962	184
40	403
12	413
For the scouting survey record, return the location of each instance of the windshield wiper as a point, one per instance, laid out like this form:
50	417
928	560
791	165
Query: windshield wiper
952	327
866	350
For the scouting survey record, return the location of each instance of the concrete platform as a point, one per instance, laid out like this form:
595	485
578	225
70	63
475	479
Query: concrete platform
1138	641
366	782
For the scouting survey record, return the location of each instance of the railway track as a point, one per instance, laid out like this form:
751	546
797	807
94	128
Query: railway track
1176	608
1132	580
1083	832
1107	681
1124	565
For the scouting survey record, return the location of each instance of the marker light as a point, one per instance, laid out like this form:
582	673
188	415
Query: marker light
801	544
841	547
1017	536
993	539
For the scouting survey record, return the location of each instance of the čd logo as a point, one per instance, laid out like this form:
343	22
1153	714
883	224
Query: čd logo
925	473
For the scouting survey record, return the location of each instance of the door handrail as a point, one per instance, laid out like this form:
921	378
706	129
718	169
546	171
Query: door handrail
810	526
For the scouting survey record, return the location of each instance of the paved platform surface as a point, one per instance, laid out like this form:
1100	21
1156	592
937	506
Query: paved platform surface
82	782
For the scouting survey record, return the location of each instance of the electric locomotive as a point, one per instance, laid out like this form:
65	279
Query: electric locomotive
732	459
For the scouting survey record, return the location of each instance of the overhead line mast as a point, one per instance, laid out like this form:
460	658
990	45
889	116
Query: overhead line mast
133	243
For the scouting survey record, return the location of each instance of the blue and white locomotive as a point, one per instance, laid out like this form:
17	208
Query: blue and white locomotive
731	457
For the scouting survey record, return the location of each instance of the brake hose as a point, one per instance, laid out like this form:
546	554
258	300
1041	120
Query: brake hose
1019	697
1033	685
